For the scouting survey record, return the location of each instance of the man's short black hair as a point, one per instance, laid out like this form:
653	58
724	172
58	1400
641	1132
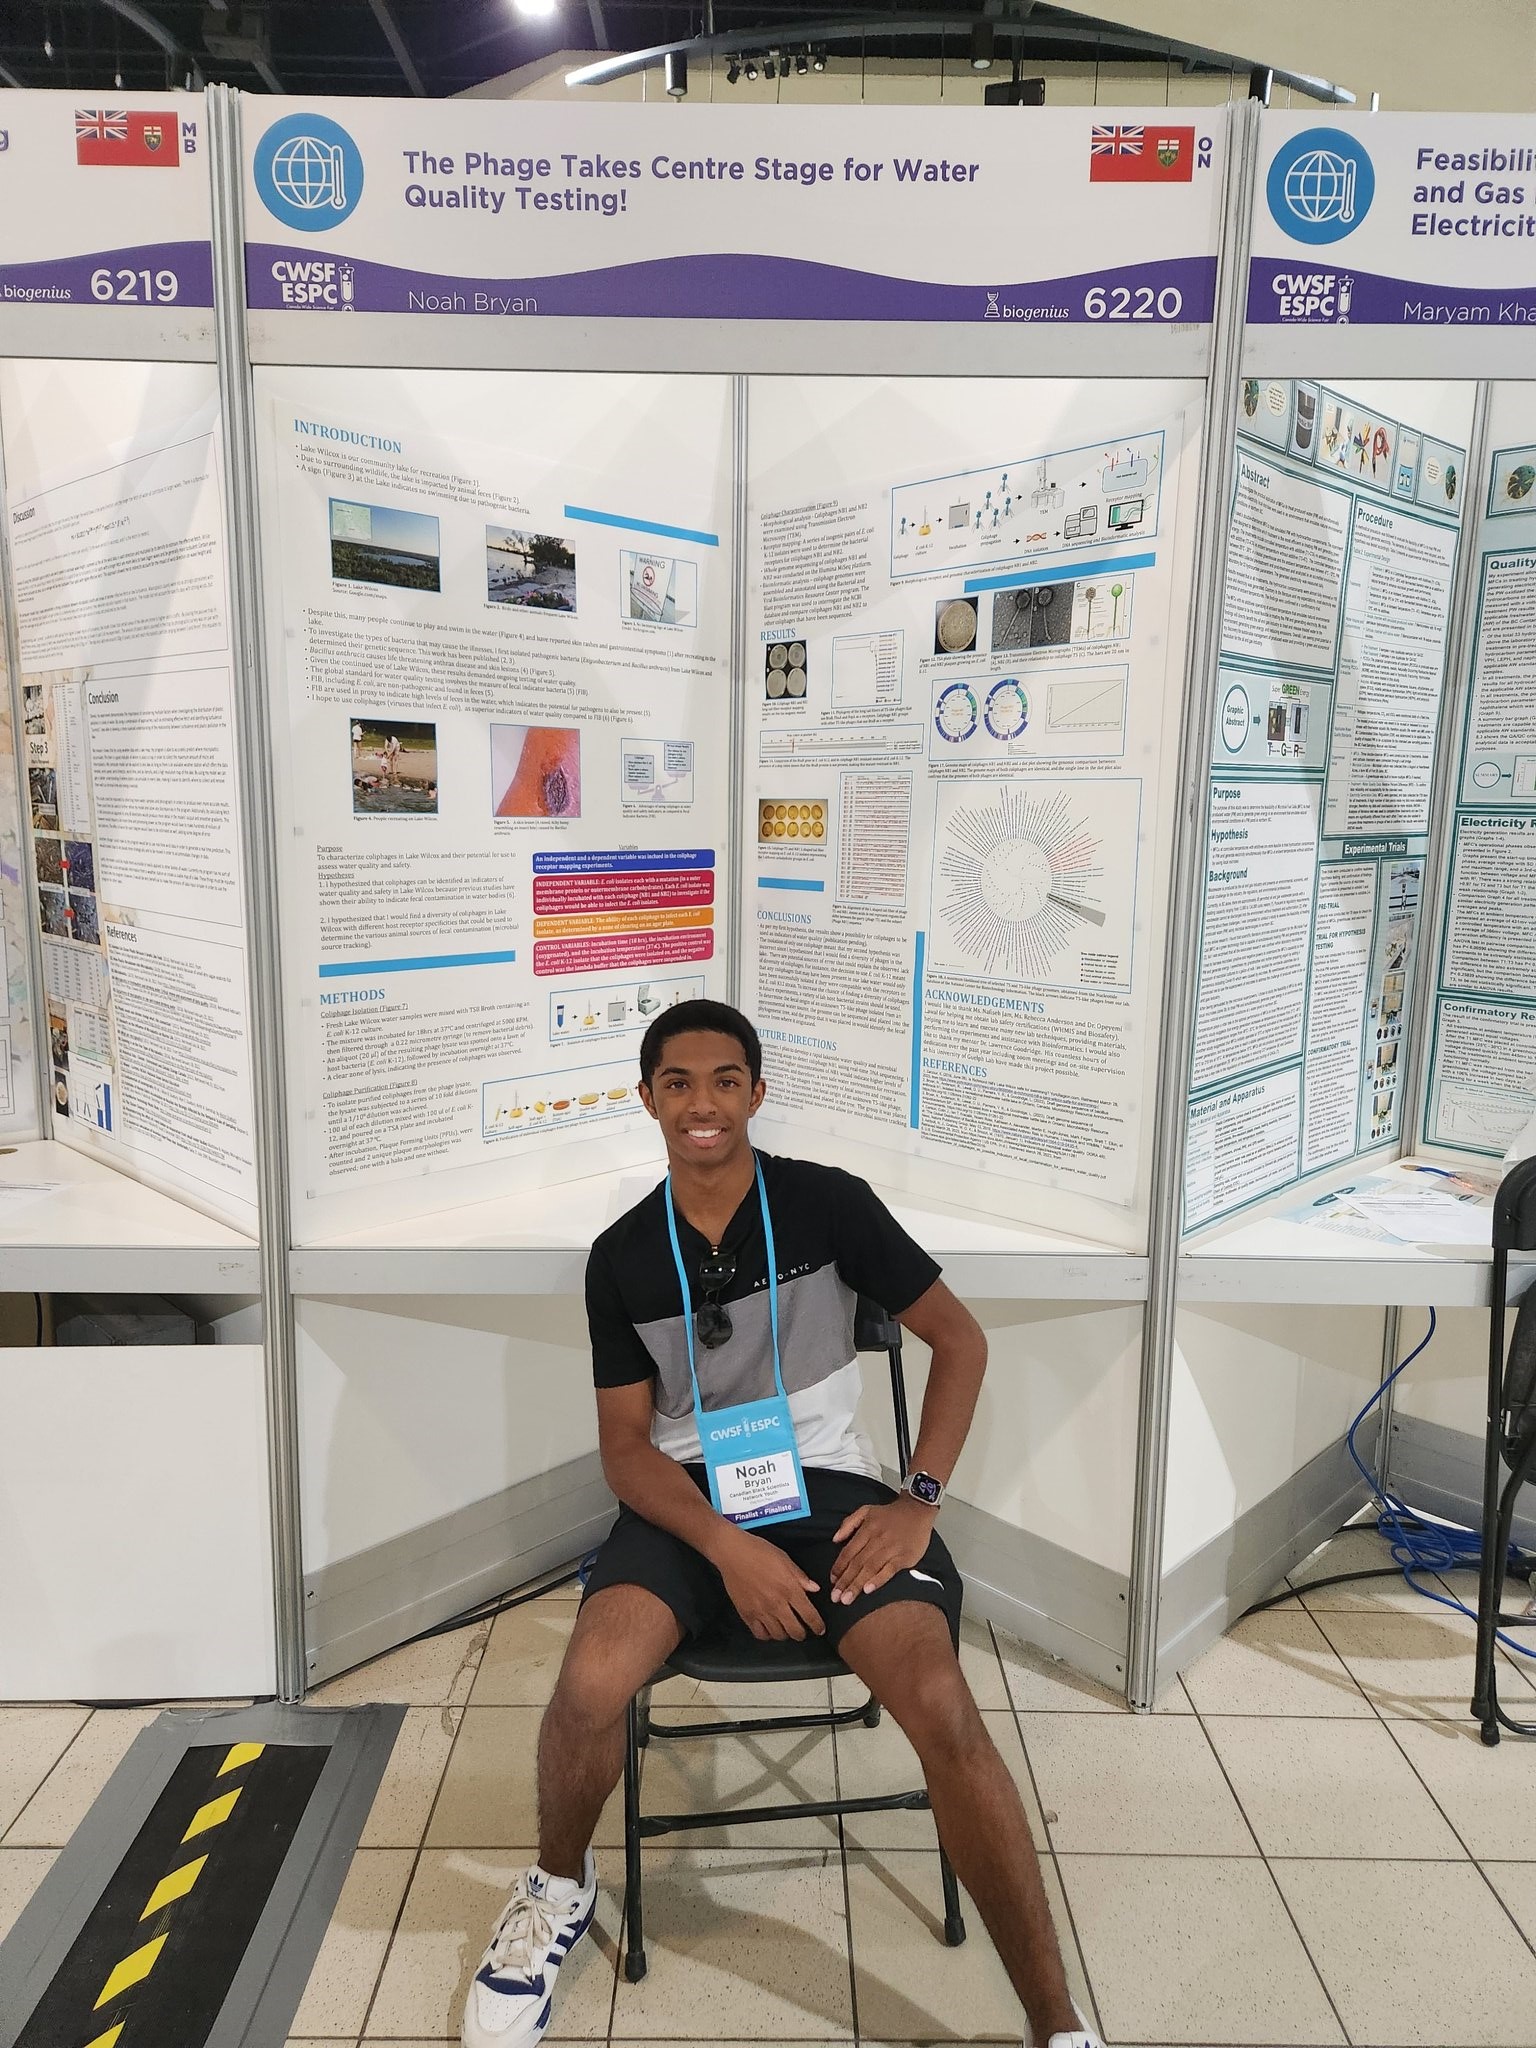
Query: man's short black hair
700	1015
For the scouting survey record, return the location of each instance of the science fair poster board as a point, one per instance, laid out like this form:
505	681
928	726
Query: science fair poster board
119	572
1482	1065
499	643
1423	223
105	209
18	1100
966	638
501	216
1346	513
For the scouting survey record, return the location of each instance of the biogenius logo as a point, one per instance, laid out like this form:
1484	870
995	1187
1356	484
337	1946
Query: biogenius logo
1320	185
309	172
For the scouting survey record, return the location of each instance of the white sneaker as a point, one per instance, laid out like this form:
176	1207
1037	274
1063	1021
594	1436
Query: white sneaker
510	2001
1084	2038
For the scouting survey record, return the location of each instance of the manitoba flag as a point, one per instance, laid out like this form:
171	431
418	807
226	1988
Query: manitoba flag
108	135
1141	155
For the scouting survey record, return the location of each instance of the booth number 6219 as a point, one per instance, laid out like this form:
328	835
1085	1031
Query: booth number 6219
135	287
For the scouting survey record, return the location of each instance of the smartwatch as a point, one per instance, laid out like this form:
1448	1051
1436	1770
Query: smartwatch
924	1487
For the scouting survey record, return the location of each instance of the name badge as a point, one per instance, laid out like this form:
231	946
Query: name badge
753	1463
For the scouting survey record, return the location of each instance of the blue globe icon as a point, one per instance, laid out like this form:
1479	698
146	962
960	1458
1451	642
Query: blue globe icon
1321	186
310	174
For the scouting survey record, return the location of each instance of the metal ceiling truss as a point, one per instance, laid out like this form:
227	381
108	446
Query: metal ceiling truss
1068	39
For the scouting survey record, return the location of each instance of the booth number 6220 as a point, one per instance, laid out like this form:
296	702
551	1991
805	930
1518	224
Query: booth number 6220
1138	302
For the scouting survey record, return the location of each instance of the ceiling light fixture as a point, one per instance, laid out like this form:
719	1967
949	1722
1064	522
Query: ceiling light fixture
535	10
818	60
751	70
676	62
732	70
982	44
801	64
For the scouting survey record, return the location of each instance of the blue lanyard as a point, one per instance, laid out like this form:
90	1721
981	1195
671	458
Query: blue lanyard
773	1286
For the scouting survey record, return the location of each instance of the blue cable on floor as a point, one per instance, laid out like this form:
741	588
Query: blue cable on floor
1425	1543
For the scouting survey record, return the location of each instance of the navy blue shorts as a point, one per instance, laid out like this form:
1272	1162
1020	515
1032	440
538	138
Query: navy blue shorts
637	1553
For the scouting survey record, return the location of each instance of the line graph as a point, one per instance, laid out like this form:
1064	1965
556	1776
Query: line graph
1086	704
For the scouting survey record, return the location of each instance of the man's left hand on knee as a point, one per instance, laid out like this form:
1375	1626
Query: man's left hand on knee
877	1542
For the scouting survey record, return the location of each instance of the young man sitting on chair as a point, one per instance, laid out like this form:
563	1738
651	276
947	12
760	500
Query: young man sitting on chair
721	1310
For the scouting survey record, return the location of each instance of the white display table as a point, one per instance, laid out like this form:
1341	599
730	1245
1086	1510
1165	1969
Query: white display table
537	1243
1269	1257
69	1223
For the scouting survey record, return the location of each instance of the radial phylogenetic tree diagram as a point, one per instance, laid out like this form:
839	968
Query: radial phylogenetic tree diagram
1020	876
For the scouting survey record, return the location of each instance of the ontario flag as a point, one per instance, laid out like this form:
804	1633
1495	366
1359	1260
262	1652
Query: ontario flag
1138	154
108	135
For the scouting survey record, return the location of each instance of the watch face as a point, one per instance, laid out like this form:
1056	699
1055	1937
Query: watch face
926	1488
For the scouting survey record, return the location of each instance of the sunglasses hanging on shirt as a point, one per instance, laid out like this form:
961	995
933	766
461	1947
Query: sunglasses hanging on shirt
712	1319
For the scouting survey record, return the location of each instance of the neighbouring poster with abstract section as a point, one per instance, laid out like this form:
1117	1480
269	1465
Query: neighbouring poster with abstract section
1340	562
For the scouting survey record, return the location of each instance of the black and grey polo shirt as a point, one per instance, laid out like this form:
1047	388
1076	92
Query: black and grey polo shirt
835	1240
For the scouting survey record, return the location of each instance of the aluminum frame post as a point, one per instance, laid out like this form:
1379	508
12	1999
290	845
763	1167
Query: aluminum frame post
1177	1010
263	955
42	1053
736	894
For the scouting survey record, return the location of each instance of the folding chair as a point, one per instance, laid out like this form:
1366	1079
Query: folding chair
731	1655
1511	1436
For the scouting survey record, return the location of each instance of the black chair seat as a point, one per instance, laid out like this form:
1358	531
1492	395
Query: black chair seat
732	1655
729	1654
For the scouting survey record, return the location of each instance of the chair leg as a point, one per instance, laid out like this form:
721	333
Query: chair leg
954	1923
634	1912
1485	1704
643	1717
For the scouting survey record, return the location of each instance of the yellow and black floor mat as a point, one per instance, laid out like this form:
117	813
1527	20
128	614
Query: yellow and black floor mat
188	1908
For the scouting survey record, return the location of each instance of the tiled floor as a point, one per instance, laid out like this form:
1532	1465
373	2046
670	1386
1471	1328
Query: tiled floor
1306	1844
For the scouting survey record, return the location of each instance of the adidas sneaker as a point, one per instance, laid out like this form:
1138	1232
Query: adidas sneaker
513	1993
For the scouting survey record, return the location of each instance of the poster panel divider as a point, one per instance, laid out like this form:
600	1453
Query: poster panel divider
736	883
253	711
10	658
1177	1017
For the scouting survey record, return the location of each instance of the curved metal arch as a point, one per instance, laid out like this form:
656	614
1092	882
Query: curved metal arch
854	29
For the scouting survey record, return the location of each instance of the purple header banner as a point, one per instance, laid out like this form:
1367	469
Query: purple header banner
1177	290
152	274
1289	292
